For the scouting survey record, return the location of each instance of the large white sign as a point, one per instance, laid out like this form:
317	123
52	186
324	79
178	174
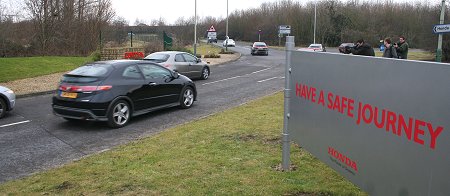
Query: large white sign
382	123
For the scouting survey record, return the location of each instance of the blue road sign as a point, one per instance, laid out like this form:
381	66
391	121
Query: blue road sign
443	28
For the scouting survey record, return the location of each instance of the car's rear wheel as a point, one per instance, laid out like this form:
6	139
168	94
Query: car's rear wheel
205	73
187	98
119	114
2	108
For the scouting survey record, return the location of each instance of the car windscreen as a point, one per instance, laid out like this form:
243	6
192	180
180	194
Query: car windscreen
157	57
260	45
314	46
87	73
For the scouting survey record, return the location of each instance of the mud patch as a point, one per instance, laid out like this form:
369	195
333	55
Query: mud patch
279	167
241	137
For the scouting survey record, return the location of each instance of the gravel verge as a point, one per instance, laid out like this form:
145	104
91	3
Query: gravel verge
48	83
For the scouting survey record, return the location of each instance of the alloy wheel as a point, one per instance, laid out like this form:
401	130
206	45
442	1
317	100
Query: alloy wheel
188	97
121	114
205	74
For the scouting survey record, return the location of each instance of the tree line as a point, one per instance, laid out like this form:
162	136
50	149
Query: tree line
56	27
78	27
339	22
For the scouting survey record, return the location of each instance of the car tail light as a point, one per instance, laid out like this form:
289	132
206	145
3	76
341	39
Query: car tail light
167	65
69	88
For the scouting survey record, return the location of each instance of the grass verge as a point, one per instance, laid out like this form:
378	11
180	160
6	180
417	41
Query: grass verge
28	67
420	56
230	153
204	49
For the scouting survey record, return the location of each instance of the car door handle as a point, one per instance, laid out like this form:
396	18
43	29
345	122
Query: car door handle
152	83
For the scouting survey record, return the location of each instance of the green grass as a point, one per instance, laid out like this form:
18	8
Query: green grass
28	67
230	153
420	56
205	49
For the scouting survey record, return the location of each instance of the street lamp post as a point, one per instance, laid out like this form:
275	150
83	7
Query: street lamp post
441	21
195	30
226	32
315	20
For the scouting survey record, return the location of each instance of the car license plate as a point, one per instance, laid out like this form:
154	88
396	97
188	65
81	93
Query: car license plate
69	95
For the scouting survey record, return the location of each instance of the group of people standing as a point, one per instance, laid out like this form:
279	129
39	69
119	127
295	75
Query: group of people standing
396	50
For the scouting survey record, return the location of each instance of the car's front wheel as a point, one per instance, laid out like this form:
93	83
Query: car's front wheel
2	108
205	73
187	97
119	114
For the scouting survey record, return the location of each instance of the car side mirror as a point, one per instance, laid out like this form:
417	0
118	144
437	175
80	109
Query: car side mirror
175	74
199	60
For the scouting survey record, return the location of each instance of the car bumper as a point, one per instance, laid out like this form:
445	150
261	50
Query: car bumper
12	101
77	113
260	51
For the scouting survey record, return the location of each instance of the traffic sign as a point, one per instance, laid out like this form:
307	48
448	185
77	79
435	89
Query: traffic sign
443	28
284	29
212	29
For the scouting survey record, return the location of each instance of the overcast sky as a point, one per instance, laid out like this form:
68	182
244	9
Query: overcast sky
171	10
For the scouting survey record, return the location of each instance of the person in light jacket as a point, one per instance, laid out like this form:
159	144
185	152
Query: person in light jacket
389	51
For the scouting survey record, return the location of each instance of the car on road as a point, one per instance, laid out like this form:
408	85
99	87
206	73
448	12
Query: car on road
212	40
317	48
229	43
314	48
181	62
7	100
259	48
343	47
115	91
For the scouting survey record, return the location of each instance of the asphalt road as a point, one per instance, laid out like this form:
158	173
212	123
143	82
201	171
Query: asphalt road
32	139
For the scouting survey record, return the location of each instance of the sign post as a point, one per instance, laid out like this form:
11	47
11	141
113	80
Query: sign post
438	28
212	34
290	44
259	35
283	30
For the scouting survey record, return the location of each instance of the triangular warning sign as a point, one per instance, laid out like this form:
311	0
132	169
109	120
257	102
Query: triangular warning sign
212	28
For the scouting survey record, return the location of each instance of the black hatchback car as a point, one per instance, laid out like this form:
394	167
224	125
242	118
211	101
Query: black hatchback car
115	91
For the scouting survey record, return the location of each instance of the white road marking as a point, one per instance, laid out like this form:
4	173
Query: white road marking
222	80
267	79
235	77
17	123
259	71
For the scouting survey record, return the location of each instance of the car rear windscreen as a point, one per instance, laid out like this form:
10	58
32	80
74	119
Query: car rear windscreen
157	57
87	73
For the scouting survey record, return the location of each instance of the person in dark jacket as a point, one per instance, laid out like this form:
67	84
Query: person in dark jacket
402	48
389	51
362	48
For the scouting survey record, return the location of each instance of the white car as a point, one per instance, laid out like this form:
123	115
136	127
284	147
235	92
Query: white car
229	43
317	47
314	48
7	100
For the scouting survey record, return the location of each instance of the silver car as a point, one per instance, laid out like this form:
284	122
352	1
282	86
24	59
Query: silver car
181	62
7	100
